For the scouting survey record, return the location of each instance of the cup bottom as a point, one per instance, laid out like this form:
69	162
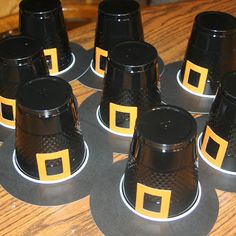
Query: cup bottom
91	79
181	215
30	178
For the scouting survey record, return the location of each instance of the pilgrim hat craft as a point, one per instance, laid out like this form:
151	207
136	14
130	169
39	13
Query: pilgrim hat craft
44	21
130	88
48	161
160	192
216	144
117	21
192	84
21	60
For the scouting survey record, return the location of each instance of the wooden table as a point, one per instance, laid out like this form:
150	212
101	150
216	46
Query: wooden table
167	27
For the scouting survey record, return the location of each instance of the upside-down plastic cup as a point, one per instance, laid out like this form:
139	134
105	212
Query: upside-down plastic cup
210	53
21	60
217	146
117	21
161	177
130	87
49	142
44	21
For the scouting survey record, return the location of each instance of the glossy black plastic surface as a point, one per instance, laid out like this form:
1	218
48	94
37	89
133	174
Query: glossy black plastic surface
41	7
118	9
47	121
44	21
163	156
167	128
117	21
21	60
212	46
222	120
132	82
133	56
46	106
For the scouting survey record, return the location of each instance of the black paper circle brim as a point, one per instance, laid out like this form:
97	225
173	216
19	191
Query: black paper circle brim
215	178
114	219
100	159
79	66
94	81
88	110
201	123
173	94
5	133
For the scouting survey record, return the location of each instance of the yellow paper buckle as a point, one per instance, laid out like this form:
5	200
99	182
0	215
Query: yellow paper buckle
52	52
223	144
42	169
202	79
98	54
132	111
165	196
11	103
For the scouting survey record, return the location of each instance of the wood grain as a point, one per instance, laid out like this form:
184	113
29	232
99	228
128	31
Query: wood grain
74	12
167	27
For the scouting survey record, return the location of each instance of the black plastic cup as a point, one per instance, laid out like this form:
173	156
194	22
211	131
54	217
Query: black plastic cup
130	87
218	144
117	21
49	142
44	21
21	60
210	52
161	176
